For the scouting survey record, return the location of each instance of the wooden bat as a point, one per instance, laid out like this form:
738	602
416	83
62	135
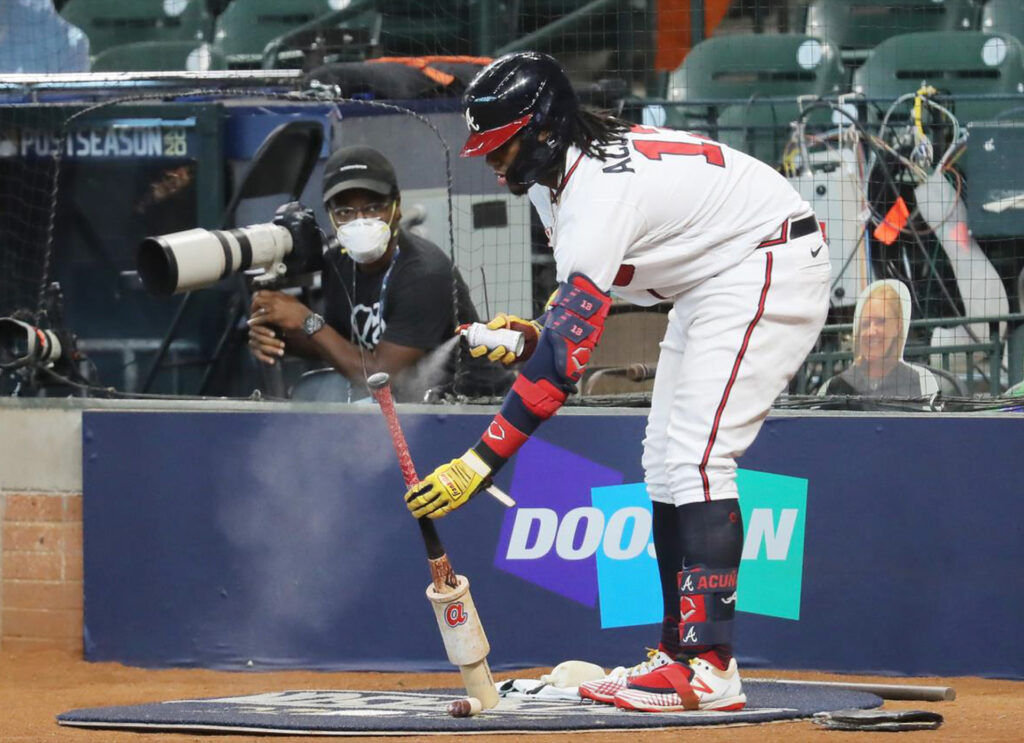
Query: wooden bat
461	629
885	691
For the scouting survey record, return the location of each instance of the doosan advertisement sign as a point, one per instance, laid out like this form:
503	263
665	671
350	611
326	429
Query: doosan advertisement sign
582	533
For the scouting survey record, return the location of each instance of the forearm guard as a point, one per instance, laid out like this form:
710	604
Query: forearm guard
572	328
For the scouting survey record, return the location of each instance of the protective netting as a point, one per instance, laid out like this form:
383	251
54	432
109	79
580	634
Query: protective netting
900	122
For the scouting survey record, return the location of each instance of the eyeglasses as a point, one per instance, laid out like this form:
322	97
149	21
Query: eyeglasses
342	214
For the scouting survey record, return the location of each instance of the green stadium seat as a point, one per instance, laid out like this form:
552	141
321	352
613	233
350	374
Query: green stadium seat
110	23
352	40
735	71
415	28
969	63
1004	17
146	56
245	28
857	26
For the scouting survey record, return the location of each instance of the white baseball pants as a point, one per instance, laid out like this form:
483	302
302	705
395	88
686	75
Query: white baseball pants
732	345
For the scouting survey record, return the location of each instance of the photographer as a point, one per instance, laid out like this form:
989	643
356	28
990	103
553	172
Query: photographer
388	294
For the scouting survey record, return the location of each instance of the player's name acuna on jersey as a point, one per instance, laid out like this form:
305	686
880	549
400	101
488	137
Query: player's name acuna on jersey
613	222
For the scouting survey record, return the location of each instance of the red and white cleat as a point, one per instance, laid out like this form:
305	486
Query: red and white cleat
696	684
604	690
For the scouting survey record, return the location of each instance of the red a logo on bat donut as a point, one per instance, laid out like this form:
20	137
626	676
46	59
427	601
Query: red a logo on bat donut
455	614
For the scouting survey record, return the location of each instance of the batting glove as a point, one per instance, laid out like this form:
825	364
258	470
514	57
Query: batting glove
530	329
449	486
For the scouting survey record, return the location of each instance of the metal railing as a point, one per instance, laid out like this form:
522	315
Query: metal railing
984	360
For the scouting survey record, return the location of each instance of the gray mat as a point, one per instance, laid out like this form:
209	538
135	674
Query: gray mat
425	712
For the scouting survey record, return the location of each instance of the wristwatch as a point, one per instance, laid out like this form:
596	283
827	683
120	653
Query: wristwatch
312	324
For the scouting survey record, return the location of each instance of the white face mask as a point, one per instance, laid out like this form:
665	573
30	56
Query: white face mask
365	240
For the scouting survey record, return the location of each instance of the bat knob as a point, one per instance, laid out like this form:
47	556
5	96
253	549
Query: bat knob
378	381
465	707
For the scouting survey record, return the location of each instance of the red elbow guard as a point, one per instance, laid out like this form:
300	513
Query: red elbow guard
541	398
577	319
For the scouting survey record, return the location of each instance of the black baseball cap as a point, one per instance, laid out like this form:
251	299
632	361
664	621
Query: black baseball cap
358	166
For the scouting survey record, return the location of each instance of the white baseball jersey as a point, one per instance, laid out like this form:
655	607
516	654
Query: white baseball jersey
666	211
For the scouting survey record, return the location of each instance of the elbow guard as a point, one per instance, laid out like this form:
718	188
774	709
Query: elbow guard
572	328
575	323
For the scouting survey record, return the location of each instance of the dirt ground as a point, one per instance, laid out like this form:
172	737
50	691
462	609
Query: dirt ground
38	684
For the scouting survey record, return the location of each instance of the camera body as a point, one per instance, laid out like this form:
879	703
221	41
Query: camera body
194	259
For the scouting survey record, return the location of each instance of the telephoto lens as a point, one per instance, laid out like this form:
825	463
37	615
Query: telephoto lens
193	259
22	344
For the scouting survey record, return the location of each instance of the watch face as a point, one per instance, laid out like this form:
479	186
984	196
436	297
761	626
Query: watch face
312	323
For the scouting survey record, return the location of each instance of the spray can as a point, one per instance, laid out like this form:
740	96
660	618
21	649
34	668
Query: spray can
478	334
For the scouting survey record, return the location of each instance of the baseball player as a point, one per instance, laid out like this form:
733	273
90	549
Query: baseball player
653	215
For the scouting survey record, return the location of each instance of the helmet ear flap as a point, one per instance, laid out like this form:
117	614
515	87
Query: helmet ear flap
537	156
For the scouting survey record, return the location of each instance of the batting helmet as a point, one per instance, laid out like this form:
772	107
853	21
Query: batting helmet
523	93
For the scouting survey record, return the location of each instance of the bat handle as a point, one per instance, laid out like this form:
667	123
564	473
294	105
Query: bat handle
441	572
382	393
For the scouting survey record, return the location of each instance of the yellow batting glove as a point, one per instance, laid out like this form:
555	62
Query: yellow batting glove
448	487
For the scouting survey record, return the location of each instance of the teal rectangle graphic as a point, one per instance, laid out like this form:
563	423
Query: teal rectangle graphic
628	591
771	571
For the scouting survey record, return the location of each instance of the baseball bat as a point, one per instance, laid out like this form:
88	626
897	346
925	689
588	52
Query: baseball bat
885	691
461	629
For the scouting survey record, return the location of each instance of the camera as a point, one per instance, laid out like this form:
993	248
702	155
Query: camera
194	259
22	344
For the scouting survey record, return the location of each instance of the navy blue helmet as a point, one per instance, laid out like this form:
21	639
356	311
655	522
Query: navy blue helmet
524	93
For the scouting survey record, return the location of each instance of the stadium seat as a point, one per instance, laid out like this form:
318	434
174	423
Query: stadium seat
1004	17
328	42
160	55
245	28
740	69
969	63
110	23
857	26
415	28
950	385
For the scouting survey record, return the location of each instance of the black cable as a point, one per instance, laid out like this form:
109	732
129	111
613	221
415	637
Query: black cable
891	182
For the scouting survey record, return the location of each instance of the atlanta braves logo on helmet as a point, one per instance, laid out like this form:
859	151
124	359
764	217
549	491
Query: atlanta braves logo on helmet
470	122
455	614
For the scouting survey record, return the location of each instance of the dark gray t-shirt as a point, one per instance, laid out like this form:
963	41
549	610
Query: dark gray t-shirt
410	303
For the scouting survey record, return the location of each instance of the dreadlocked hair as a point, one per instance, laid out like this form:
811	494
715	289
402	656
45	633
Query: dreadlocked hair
592	130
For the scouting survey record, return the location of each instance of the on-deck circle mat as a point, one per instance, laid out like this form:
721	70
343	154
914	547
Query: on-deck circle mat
425	712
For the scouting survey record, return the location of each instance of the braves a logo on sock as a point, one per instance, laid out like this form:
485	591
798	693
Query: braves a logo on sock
691	636
455	614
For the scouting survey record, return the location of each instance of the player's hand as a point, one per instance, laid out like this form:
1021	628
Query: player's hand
531	330
277	308
448	487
